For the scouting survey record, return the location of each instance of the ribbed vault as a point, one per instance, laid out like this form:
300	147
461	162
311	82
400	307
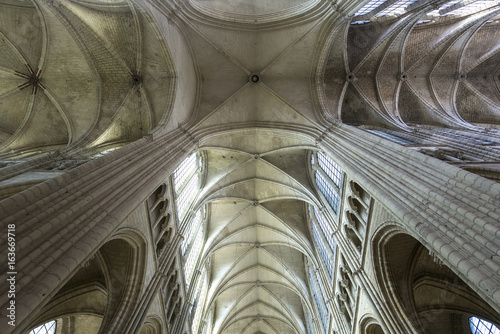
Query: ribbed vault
98	74
257	238
67	75
399	72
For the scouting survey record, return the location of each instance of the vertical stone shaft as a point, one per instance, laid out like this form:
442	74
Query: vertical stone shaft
60	223
454	213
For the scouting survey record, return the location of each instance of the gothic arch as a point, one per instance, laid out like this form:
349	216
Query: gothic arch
420	287
152	325
369	325
101	289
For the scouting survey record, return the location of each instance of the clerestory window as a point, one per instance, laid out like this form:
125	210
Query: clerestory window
329	178
396	9
201	294
467	7
369	7
326	229
480	326
192	246
392	137
332	197
186	184
323	237
319	297
381	8
184	171
331	168
47	328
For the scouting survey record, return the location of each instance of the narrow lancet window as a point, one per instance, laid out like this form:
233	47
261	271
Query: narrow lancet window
332	197
319	297
329	177
192	246
186	184
323	237
201	294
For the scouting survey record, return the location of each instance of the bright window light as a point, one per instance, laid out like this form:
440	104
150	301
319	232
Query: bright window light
319	296
392	137
191	232
470	7
480	326
186	196
326	229
328	191
396	9
48	328
309	323
193	253
331	168
369	7
322	249
184	171
201	293
443	7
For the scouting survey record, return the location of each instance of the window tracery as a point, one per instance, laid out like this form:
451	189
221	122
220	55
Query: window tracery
391	8
323	234
330	168
396	9
184	171
186	182
328	177
200	296
47	328
463	8
319	297
481	326
391	137
369	7
186	196
331	196
192	246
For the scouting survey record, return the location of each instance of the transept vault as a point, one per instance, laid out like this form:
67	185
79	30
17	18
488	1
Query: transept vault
251	166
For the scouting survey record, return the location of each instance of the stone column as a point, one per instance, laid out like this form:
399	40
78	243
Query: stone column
60	223
454	213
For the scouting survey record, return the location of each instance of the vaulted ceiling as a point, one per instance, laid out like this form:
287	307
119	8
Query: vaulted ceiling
80	73
256	189
97	74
